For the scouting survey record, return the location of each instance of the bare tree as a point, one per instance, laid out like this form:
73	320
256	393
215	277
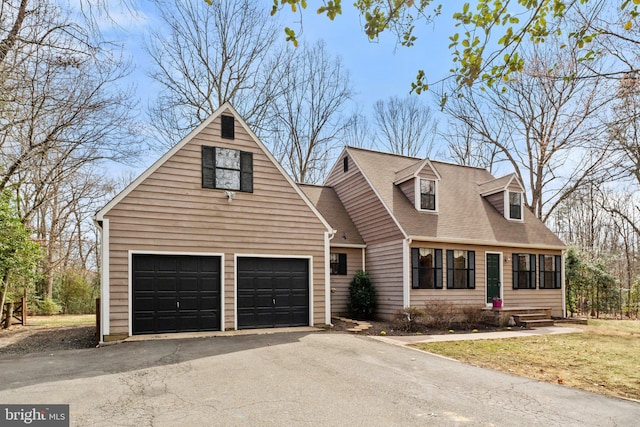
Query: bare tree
357	131
61	114
405	125
306	120
546	127
208	55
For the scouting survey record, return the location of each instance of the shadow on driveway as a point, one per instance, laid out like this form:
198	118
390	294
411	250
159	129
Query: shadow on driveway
128	356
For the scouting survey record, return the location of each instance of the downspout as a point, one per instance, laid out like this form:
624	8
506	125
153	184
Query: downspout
562	285
327	276
406	288
103	226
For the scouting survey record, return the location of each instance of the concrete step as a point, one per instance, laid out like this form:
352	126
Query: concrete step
536	323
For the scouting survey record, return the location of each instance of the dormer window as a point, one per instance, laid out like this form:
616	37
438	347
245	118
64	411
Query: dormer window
427	194
515	205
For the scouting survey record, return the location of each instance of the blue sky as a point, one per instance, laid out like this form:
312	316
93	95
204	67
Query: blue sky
378	69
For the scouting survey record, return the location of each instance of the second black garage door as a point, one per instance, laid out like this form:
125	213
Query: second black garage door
175	293
273	292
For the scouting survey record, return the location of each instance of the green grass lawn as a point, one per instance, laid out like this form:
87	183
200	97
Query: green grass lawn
604	358
62	320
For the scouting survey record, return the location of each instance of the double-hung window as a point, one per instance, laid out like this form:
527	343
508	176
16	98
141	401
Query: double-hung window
338	263
227	169
461	269
515	205
550	272
426	268
524	271
427	194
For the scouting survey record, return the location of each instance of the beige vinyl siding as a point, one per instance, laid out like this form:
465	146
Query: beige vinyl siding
531	297
551	298
367	211
340	283
428	173
515	187
171	212
497	201
384	265
409	190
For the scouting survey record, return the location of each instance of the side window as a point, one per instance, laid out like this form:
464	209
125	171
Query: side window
338	264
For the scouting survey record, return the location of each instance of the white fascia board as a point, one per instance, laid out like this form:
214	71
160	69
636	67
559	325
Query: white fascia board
347	245
485	243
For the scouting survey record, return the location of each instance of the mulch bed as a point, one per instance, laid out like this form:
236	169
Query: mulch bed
377	327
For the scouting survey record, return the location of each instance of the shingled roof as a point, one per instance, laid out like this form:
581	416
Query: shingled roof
463	214
328	204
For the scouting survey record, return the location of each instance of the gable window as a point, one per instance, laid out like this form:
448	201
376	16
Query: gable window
515	205
461	269
427	194
228	127
227	169
426	268
338	263
345	164
550	272
524	271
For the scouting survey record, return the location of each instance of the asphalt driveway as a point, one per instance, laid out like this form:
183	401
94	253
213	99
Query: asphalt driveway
292	379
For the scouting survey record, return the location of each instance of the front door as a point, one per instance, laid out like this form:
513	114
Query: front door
493	277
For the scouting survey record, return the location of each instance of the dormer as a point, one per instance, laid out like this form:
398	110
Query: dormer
419	182
506	194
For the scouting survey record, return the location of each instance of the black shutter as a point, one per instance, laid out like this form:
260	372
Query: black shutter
514	264
449	269
438	269
208	167
345	164
558	272
542	284
415	271
246	172
532	272
228	127
471	279
342	264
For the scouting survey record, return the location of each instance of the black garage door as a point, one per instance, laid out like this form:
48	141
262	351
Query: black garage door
273	292
175	293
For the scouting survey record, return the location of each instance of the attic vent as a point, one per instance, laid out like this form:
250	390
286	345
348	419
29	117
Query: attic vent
345	163
228	130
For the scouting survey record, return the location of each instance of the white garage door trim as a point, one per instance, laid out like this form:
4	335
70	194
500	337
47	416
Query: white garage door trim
235	280
143	252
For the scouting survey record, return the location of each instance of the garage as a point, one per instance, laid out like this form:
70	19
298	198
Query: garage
272	292
175	293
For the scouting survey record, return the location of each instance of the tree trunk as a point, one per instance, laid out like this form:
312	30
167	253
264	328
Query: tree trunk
5	280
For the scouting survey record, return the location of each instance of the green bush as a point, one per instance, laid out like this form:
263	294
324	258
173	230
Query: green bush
49	307
362	296
409	319
76	291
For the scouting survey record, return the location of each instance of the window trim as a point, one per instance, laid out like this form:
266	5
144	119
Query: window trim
507	206
557	272
415	268
341	265
531	272
470	269
418	195
208	159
